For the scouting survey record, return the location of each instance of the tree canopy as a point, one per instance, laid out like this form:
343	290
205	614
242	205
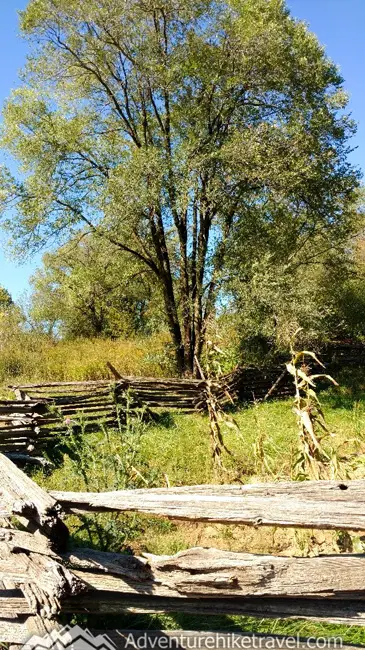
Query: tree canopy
184	133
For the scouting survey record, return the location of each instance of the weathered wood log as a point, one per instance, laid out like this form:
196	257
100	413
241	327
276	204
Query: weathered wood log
211	573
15	431
85	408
162	381
168	393
20	630
311	504
16	446
69	398
51	384
24	498
326	610
41	578
23	418
13	604
28	561
19	540
22	407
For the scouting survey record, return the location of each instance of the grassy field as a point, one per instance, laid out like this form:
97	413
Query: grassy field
176	451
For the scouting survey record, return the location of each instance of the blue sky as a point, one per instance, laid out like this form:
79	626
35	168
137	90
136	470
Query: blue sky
13	275
339	25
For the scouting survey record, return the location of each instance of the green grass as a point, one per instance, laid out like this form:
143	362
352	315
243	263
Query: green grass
176	450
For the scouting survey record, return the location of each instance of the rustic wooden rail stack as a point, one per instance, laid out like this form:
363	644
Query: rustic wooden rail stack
164	393
41	577
43	410
252	383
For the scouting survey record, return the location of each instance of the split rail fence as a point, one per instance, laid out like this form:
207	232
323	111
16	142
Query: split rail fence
41	577
41	411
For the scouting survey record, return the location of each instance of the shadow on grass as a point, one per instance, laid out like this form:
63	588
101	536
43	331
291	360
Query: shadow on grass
350	391
165	419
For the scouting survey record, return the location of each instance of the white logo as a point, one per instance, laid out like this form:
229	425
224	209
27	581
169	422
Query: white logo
70	638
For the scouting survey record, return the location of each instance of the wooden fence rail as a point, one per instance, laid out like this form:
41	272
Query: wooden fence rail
164	393
311	504
42	411
41	577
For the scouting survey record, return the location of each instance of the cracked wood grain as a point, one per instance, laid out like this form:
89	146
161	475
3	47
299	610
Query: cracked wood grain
312	504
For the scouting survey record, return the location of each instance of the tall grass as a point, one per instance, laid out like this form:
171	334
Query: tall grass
31	357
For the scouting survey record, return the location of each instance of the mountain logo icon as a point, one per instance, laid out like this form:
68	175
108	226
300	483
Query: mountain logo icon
69	638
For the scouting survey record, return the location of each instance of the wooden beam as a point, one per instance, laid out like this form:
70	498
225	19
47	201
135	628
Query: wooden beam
212	573
43	581
153	381
13	604
19	631
19	540
25	499
325	611
312	504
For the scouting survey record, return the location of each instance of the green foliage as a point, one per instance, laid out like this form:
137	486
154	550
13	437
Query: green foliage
85	289
325	300
185	134
6	301
349	301
105	461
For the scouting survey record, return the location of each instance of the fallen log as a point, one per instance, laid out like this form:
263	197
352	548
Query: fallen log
25	459
312	504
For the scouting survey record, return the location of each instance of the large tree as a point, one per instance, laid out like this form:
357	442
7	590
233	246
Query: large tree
168	126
